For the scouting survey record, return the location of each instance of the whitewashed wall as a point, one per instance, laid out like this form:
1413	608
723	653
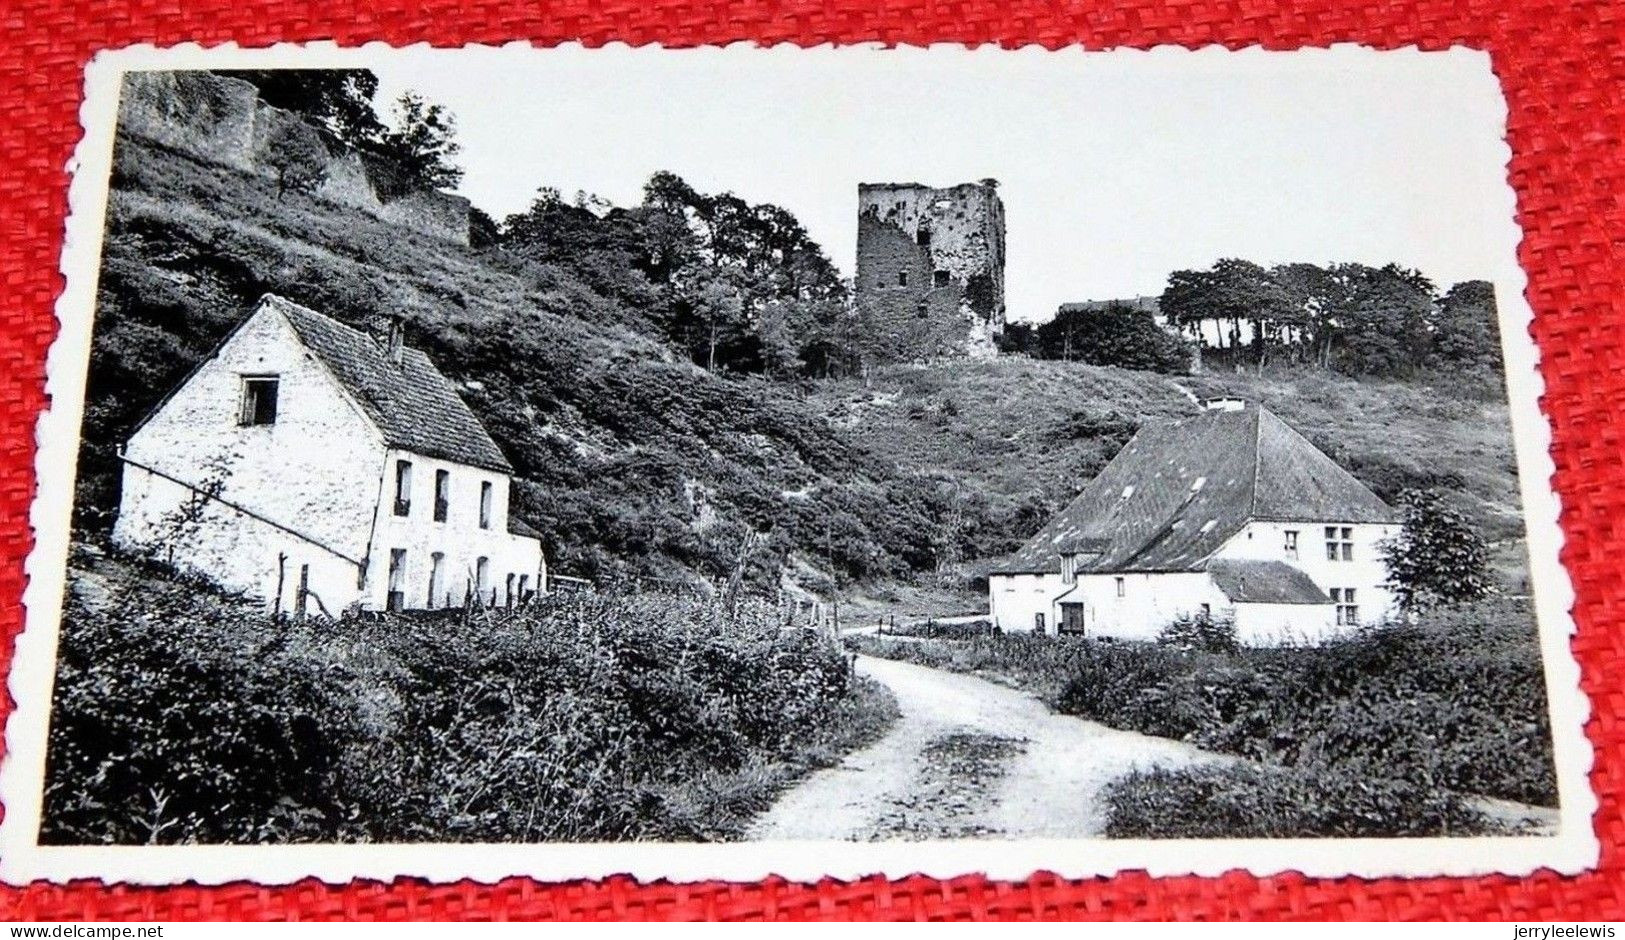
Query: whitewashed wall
1365	573
313	472
1285	624
459	538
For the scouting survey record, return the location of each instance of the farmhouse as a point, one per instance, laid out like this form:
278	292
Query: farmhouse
318	468
1228	514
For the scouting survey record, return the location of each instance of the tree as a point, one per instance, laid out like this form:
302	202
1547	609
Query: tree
1232	293
421	142
1464	329
296	156
1114	335
1384	323
1438	556
338	100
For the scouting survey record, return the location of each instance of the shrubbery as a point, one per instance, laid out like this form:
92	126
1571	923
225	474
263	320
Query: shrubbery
180	717
1455	703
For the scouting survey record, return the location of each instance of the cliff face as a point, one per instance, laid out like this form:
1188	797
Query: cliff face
930	270
222	120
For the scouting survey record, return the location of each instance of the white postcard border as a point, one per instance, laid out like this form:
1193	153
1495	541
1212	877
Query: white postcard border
1574	848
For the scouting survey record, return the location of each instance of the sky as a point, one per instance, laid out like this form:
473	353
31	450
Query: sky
1115	168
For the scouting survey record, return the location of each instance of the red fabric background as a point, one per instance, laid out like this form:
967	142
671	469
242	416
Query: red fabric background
1562	66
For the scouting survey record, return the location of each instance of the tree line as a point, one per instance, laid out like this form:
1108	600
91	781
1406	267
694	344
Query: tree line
1351	318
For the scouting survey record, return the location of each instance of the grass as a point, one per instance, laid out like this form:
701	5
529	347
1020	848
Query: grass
1397	728
181	715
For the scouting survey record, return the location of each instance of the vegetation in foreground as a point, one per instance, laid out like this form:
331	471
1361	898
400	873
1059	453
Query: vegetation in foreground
1389	732
182	716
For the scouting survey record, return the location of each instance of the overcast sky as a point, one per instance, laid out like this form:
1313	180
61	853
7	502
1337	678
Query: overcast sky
1114	168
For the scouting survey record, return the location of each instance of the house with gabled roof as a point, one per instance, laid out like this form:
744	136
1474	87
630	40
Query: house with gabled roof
1231	514
323	469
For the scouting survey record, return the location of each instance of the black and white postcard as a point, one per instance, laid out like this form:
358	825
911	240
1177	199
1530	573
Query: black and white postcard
817	462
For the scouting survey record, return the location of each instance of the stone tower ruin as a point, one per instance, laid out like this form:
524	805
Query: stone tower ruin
930	271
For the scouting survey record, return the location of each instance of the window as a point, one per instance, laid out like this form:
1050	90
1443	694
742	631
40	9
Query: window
397	576
1069	568
1122	587
508	598
403	487
1038	623
485	504
923	237
1348	613
1339	543
259	400
1291	546
902	278
442	494
482	578
939	278
437	579
524	588
1207	612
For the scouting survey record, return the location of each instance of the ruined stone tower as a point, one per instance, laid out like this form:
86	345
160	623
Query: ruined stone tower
930	272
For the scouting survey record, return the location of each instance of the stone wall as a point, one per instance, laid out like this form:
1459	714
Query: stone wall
222	120
930	271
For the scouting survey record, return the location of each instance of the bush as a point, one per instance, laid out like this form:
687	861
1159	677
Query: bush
1453	703
1239	801
1200	633
181	716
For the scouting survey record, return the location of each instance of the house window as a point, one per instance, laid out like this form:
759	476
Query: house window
259	400
1121	587
1069	568
1339	543
485	504
437	579
442	494
482	579
1291	543
923	237
1348	613
939	278
902	278
1207	612
508	598
1038	623
524	588
397	577
403	487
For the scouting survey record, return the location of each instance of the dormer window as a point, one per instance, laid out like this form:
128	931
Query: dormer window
259	400
1069	568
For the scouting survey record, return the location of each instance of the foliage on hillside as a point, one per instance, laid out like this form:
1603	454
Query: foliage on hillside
629	458
1455	703
1115	334
183	716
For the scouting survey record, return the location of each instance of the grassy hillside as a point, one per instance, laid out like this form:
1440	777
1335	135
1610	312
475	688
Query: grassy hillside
1029	434
629	459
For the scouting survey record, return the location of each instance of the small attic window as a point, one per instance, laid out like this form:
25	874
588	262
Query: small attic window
1197	484
1208	525
1128	491
259	400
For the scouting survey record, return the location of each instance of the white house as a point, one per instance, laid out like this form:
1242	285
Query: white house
309	464
1230	513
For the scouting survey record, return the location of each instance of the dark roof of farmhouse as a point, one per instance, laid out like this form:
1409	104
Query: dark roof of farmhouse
1250	581
412	403
1178	490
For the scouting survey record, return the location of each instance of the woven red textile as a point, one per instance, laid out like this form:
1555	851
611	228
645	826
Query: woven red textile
1563	67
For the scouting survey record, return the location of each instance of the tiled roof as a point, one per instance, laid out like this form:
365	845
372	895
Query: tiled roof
412	403
1178	490
519	527
1247	581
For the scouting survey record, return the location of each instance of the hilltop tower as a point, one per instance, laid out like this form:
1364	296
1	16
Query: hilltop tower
930	271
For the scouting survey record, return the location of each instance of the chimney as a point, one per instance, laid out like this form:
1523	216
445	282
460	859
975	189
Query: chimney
394	343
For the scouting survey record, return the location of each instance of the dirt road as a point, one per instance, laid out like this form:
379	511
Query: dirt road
967	757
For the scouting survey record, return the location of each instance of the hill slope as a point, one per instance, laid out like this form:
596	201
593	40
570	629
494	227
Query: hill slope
629	459
1029	434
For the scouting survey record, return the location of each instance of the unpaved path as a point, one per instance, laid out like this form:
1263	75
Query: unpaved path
967	757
